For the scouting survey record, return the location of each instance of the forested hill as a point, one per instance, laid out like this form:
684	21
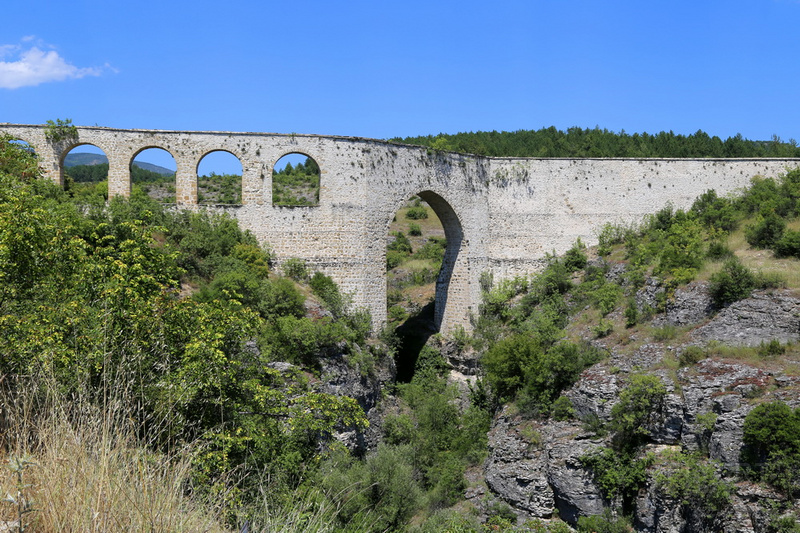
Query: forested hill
76	159
578	142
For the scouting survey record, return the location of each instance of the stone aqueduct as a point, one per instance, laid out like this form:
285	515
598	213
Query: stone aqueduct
500	215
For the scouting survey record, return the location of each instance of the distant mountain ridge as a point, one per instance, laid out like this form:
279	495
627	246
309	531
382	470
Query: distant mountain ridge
85	158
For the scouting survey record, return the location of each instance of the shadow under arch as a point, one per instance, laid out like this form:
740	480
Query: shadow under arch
415	332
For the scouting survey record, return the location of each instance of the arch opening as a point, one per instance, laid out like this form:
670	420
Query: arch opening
219	179
424	240
23	145
85	171
25	165
153	172
295	181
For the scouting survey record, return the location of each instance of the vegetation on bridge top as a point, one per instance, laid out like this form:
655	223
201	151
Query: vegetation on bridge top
596	142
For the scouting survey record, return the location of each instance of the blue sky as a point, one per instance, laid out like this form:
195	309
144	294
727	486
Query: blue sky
385	69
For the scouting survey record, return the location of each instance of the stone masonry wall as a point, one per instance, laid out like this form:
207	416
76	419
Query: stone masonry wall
500	214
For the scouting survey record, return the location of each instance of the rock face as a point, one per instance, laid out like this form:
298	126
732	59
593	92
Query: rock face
755	320
535	466
339	376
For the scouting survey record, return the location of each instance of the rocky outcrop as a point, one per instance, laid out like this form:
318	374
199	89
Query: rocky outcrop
536	466
342	376
763	317
689	305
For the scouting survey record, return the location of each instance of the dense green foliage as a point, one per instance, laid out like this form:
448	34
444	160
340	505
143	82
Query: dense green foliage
428	444
91	302
596	142
772	446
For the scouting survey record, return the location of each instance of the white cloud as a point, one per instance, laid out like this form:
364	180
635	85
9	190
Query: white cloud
34	66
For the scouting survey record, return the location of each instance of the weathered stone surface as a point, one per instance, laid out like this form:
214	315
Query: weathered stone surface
689	305
516	469
341	378
574	490
752	321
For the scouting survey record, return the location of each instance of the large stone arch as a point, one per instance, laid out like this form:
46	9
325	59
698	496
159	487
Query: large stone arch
451	305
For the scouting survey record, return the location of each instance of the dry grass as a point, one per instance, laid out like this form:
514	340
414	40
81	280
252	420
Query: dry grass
90	472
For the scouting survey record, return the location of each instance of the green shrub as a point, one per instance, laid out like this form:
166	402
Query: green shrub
631	314
414	229
394	259
771	348
762	193
418	212
562	409
715	212
606	297
638	409
691	355
731	284
717	250
694	483
575	258
521	363
766	231
609	236
432	250
604	523
296	269
618	475
788	245
326	289
771	434
603	328
400	243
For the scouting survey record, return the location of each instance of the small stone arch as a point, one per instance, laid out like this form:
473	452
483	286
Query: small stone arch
62	167
299	194
19	140
169	196
238	194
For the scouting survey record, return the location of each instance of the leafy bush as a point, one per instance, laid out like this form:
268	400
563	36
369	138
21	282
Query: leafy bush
731	284
691	355
432	250
694	483
414	229
417	212
521	363
715	212
603	328
326	289
400	243
637	411
562	409
788	245
766	231
772	446
604	523
296	269
575	258
618	475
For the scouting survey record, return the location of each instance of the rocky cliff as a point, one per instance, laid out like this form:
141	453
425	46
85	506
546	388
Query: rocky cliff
538	467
